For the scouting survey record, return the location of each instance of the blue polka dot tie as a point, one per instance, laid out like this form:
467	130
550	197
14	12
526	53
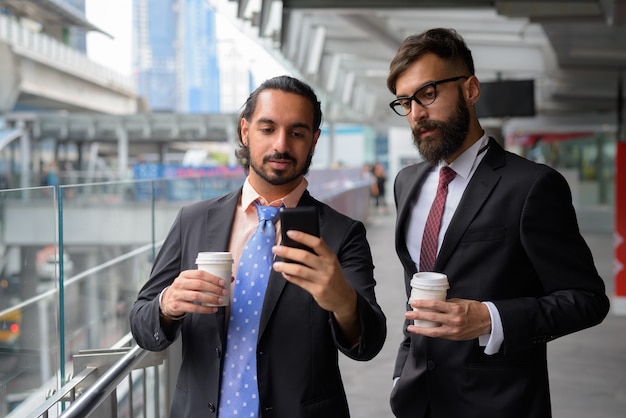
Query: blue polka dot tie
240	392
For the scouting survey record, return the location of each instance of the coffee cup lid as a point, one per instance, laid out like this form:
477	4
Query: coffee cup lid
214	257
432	281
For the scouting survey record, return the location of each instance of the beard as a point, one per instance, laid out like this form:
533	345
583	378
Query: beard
280	177
447	138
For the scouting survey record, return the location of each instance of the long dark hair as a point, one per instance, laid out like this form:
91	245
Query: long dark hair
284	83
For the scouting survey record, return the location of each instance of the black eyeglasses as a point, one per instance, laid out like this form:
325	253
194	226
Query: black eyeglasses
424	96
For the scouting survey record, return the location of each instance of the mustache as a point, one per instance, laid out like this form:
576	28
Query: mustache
427	124
280	156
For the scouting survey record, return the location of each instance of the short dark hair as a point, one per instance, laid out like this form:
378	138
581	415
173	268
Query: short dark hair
447	44
283	83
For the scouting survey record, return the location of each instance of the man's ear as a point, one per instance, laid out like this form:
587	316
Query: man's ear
244	131
472	90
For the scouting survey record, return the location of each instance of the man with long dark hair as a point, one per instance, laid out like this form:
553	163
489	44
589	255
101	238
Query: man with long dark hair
307	311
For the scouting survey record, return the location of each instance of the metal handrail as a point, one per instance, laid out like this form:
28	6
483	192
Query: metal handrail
68	389
105	385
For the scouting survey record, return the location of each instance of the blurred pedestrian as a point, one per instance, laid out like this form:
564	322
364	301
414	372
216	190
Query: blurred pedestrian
380	188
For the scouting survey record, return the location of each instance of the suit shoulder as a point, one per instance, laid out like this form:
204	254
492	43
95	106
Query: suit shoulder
521	171
523	164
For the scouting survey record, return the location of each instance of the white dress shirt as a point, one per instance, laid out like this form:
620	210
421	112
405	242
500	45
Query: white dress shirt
464	166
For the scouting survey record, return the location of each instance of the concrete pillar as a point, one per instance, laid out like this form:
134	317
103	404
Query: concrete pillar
331	144
10	80
122	151
25	156
92	305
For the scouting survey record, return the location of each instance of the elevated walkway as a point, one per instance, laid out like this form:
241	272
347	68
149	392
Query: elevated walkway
40	72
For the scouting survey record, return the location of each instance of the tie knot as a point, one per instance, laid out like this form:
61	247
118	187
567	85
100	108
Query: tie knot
267	213
446	174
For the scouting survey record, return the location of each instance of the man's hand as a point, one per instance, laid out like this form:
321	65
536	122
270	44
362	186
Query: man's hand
321	275
460	319
189	290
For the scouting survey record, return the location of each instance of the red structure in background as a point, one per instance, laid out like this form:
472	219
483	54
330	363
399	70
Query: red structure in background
619	305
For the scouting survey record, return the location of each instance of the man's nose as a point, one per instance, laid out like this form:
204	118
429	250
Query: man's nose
281	141
418	111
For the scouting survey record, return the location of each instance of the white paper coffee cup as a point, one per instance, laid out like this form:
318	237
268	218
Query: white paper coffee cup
428	285
219	264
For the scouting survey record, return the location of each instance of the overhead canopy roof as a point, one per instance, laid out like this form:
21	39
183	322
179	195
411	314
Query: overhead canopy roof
146	127
50	13
575	50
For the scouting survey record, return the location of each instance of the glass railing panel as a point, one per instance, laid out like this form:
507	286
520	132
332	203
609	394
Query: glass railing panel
110	234
107	236
29	303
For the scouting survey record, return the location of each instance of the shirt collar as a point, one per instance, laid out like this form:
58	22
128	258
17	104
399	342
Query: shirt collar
464	163
290	200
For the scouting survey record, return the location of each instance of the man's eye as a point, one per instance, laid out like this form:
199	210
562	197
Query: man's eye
405	103
427	93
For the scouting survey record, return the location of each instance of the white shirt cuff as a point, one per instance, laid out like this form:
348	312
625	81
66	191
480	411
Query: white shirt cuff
492	341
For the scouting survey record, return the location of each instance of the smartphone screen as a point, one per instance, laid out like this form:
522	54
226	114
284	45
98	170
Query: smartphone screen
301	218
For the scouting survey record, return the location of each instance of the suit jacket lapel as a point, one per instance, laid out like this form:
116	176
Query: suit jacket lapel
478	190
405	206
219	222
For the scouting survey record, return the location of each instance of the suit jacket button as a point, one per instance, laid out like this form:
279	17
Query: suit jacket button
430	365
211	407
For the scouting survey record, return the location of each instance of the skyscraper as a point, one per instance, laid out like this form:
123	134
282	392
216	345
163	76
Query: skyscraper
174	55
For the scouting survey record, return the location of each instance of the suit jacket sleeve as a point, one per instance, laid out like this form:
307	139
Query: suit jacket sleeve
572	293
145	321
356	262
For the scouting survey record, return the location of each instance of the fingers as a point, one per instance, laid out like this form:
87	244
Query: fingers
459	319
195	291
319	274
311	241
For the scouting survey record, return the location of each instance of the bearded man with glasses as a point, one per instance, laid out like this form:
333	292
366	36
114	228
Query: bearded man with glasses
506	236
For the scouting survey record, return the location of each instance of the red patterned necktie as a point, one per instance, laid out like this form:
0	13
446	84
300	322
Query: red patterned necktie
428	253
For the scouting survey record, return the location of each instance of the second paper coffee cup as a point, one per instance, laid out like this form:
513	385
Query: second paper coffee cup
219	264
428	285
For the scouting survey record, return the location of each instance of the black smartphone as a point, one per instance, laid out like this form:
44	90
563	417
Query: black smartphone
301	218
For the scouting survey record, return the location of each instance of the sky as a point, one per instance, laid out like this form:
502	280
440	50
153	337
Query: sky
115	18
